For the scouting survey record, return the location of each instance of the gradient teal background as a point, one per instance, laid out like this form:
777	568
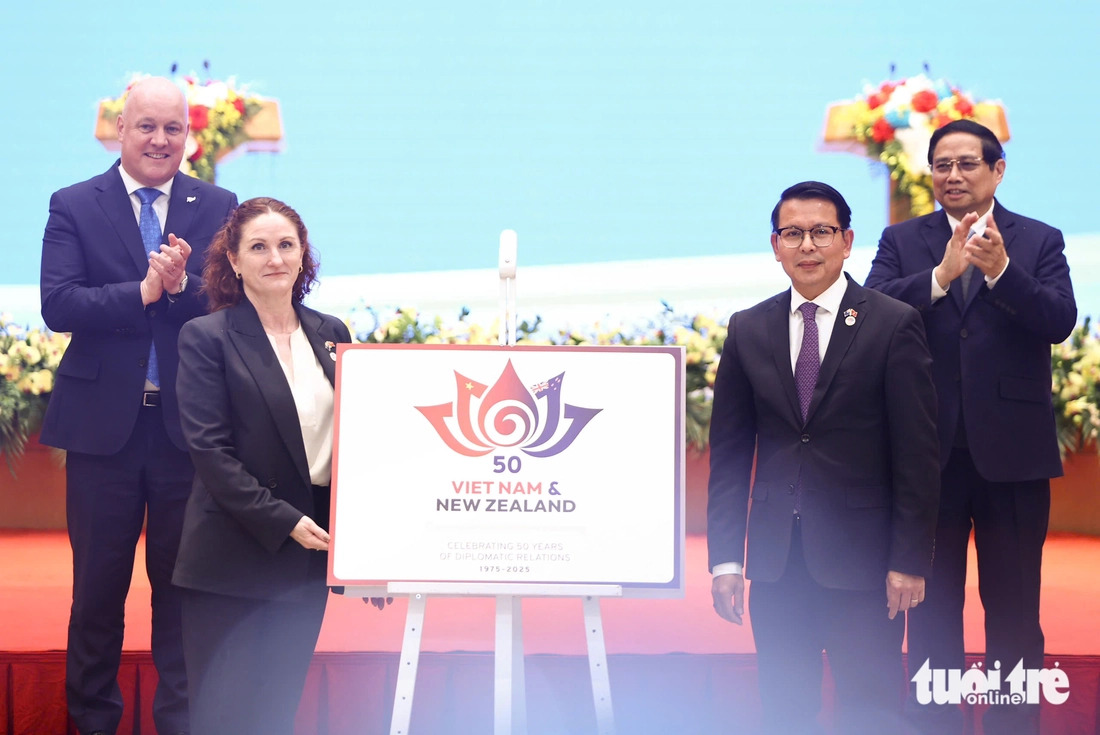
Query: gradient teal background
600	131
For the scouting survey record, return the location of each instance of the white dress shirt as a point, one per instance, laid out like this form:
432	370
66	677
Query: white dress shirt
160	206
313	397
828	304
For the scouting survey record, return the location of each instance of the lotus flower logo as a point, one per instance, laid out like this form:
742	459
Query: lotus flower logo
508	415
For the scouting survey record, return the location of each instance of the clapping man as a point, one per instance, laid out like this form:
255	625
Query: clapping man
121	270
993	290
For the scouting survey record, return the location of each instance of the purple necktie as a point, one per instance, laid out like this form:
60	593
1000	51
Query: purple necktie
806	368
149	224
808	364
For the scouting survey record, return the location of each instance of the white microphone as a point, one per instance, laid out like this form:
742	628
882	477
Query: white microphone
506	267
506	263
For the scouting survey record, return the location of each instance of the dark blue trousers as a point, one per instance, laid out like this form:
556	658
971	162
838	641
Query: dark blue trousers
108	500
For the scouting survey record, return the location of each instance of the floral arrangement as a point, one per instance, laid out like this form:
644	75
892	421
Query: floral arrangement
217	112
28	360
405	327
895	121
700	335
1075	368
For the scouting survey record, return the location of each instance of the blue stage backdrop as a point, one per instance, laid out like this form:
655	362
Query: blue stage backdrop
625	129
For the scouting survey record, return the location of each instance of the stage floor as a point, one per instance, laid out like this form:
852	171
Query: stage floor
674	665
36	579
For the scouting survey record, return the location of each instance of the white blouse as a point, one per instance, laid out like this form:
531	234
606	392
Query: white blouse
313	397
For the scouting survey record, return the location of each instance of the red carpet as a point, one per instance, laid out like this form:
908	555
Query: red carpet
675	667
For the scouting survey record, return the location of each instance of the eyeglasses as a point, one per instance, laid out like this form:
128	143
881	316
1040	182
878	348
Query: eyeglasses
966	165
821	235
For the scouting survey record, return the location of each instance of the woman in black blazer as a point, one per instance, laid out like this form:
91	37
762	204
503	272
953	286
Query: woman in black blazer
256	397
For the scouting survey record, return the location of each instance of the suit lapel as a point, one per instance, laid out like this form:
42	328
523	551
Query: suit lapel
182	205
936	232
1006	225
115	202
247	335
839	341
779	336
320	337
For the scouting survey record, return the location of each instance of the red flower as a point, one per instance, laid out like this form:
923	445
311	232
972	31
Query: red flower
888	87
878	99
964	107
941	119
200	118
239	104
198	152
925	101
882	131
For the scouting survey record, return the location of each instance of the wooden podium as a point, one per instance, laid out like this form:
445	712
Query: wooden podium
840	119
264	131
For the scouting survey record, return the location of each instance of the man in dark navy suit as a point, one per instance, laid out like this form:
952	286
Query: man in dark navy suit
994	292
121	270
827	389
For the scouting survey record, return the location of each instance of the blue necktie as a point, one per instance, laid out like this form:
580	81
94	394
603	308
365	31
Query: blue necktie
969	272
151	236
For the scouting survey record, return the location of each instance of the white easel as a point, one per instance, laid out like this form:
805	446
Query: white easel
509	685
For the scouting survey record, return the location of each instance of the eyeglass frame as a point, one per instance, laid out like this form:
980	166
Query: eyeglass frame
953	162
832	237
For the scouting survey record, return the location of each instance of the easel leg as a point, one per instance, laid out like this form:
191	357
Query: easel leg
509	686
410	659
597	666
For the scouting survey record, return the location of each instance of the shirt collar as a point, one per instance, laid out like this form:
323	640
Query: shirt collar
979	226
133	184
829	299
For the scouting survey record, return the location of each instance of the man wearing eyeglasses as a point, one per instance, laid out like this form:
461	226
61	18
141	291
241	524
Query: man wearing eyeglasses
994	292
828	387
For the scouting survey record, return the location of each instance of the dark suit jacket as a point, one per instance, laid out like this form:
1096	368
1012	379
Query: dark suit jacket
867	452
93	261
252	481
991	355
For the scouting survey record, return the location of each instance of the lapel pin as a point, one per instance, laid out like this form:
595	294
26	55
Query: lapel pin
850	317
331	347
191	199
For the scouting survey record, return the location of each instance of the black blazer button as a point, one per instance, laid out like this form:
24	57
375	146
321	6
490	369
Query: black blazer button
805	438
963	333
142	362
272	484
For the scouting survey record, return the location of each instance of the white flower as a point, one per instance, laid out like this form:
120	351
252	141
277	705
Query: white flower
914	141
205	95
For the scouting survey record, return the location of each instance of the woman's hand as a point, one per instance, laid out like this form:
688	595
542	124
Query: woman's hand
310	535
379	602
